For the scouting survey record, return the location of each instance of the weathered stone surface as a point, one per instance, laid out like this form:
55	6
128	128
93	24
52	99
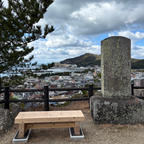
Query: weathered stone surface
115	104
7	117
116	67
117	111
5	120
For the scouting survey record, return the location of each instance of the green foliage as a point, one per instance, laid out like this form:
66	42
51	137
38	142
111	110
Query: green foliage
1	105
22	105
17	29
84	60
85	92
138	64
46	66
96	80
13	98
99	75
13	80
92	60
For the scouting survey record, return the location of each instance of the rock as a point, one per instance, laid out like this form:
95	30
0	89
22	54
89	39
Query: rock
7	117
117	110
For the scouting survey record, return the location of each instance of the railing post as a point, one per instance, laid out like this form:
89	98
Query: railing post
0	84
6	98
132	88
46	98
90	91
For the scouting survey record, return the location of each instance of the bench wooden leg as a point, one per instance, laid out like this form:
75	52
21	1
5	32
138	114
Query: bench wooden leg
77	129
21	130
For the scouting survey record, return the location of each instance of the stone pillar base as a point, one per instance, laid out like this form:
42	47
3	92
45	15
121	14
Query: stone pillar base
117	111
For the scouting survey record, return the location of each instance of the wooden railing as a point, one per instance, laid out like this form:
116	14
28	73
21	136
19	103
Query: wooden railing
45	98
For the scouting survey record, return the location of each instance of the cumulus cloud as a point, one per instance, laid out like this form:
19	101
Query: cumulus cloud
132	35
59	47
78	23
98	18
137	51
92	17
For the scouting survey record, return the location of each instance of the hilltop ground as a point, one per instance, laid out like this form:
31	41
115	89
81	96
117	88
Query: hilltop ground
94	134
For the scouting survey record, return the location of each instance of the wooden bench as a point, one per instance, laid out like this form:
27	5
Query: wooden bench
48	119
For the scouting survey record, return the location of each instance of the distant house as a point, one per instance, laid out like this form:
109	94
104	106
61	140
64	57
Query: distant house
142	82
139	82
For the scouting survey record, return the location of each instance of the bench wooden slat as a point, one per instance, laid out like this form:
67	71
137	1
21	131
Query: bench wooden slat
50	125
49	116
49	119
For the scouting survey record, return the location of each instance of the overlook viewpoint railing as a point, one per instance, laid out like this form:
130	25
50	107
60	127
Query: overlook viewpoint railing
45	98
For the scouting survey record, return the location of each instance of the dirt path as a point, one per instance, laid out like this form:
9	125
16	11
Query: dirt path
94	134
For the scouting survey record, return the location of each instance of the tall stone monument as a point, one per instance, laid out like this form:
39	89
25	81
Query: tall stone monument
116	67
115	103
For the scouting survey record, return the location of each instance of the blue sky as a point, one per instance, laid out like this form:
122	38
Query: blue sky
80	25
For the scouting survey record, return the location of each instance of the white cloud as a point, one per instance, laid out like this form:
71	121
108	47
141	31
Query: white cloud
64	40
137	51
100	17
60	47
92	17
134	36
97	12
76	21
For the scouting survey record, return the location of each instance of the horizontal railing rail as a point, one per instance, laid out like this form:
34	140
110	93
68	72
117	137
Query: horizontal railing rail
2	101
136	87
25	90
46	99
50	100
50	89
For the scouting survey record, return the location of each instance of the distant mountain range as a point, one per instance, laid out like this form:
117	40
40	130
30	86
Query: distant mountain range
89	59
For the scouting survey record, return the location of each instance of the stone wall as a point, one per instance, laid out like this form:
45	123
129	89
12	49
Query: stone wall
7	117
117	111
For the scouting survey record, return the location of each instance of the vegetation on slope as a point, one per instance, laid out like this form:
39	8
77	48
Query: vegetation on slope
92	59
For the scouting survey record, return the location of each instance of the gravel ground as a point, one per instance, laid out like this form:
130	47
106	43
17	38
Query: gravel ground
94	134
